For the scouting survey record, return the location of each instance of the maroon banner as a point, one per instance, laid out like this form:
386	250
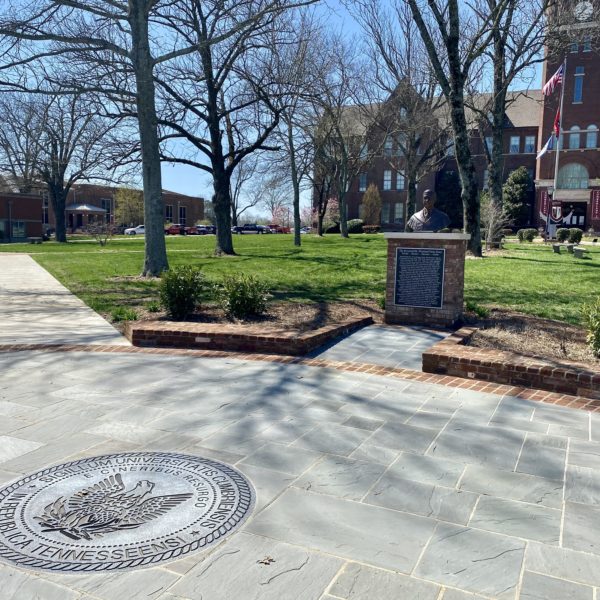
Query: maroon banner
544	203
596	205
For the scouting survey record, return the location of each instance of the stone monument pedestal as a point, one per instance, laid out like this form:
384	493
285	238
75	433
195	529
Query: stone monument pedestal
425	278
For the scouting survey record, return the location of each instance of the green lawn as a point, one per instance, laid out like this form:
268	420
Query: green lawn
527	277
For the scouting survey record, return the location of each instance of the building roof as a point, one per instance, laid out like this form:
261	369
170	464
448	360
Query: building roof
88	208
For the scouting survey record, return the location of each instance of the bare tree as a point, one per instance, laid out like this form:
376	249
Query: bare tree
455	36
221	97
349	133
62	141
111	39
517	45
242	178
402	72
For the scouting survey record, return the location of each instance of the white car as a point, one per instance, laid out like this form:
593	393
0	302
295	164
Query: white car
135	230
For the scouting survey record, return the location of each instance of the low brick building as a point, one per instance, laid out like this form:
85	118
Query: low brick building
20	217
87	203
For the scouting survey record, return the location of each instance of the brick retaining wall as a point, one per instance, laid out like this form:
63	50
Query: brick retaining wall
452	357
211	336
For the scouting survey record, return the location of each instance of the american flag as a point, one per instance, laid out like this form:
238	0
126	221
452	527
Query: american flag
553	81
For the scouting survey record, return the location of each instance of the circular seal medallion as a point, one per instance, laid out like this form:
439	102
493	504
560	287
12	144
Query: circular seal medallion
120	511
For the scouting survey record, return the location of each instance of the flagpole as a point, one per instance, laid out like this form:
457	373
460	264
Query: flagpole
558	141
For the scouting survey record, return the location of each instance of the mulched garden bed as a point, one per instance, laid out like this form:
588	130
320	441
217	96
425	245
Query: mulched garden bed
533	336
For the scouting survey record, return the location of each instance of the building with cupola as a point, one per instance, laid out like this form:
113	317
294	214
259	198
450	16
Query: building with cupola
566	193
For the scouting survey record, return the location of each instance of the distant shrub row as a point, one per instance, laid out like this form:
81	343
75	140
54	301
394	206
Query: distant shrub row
573	235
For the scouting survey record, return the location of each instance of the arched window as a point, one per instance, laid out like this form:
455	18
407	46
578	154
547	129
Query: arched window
573	177
574	137
591	138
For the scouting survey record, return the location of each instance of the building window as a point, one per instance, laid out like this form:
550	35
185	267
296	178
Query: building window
578	90
169	213
18	229
529	144
182	215
387	147
387	180
591	137
399	180
385	212
45	209
364	151
106	204
489	142
400	144
573	177
399	212
574	138
450	148
587	44
486	176
362	182
573	47
402	112
515	144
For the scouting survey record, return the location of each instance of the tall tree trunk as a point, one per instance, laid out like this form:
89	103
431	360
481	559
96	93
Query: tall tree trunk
343	215
411	199
295	183
58	199
495	164
320	224
466	172
222	206
155	260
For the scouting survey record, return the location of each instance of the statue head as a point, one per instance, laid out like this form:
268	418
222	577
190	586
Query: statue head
428	200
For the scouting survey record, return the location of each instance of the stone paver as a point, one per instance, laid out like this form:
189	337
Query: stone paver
37	309
368	487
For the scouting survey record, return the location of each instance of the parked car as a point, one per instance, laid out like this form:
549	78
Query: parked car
177	229
204	229
304	229
135	230
248	228
275	228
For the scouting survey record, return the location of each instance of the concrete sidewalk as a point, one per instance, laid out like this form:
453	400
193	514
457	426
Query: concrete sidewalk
37	309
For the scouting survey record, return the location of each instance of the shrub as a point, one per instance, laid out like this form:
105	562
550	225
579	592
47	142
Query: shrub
562	234
527	235
122	313
335	228
481	311
355	226
381	302
507	232
445	230
371	228
242	295
575	235
153	306
591	318
371	202
180	290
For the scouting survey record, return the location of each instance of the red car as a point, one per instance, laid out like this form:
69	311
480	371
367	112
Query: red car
177	229
278	228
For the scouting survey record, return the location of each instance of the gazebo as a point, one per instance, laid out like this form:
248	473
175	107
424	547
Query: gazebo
82	215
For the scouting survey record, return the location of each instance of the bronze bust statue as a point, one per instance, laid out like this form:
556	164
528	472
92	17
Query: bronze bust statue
430	218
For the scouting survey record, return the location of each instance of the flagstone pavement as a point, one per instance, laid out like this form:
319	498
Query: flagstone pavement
368	487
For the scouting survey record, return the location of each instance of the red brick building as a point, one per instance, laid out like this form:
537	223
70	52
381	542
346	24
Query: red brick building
20	217
29	215
573	200
87	203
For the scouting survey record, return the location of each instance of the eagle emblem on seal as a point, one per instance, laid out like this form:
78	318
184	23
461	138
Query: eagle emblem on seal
105	507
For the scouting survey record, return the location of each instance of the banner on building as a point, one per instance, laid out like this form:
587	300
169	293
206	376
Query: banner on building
596	205
544	205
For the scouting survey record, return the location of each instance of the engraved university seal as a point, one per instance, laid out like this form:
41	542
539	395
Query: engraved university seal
120	511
